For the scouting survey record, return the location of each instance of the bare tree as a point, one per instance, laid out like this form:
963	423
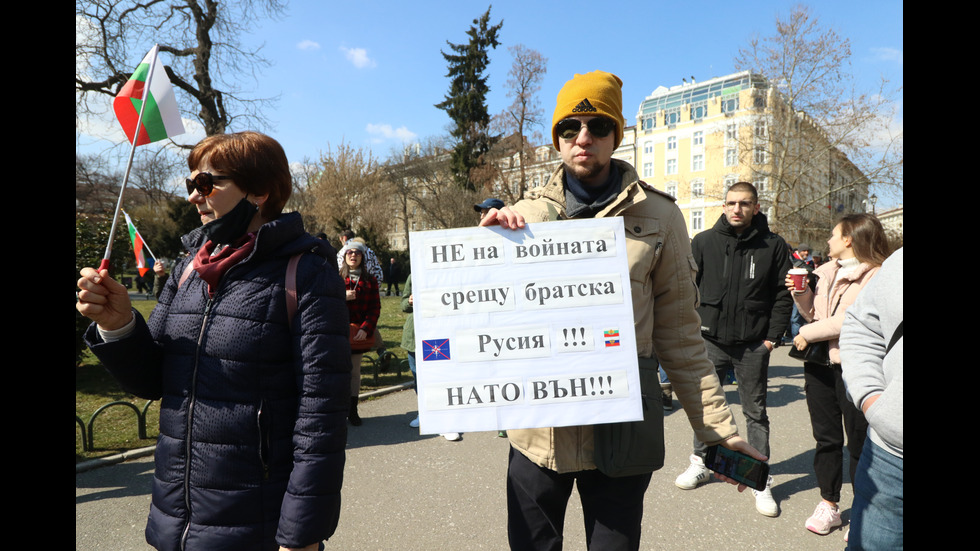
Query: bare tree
202	38
525	114
419	183
96	185
822	142
345	192
305	174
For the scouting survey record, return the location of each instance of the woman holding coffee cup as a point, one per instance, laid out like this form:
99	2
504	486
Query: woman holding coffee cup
857	246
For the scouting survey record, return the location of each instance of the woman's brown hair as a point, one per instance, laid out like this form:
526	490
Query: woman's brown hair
256	163
868	239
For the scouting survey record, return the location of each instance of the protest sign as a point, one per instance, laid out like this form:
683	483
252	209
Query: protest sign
524	328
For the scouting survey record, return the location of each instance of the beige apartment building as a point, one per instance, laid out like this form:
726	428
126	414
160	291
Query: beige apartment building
694	140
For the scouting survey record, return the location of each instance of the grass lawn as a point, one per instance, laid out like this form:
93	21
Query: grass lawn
115	428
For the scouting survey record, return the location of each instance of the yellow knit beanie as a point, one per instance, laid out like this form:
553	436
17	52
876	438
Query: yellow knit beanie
592	94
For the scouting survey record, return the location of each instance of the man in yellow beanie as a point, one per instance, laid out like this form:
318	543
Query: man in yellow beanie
545	463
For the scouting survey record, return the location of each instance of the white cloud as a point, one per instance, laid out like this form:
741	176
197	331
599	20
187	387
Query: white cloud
888	54
359	57
386	132
308	45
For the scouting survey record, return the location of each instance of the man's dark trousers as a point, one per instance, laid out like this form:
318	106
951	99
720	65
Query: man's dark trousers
751	365
538	497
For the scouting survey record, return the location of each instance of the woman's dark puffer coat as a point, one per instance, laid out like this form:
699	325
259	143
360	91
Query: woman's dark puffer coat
253	412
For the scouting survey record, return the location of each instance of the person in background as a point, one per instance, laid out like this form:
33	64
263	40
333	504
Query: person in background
486	205
744	313
364	308
370	259
253	402
546	463
394	274
374	267
872	350
160	275
858	246
408	343
408	337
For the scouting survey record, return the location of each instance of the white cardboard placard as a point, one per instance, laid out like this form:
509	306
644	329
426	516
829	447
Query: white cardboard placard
524	328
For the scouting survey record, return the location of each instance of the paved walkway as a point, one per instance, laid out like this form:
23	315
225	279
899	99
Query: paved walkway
405	492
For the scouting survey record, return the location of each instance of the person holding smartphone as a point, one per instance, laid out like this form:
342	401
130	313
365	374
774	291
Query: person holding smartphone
546	463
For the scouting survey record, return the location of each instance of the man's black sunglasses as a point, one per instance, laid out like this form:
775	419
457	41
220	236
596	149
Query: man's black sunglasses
203	183
599	127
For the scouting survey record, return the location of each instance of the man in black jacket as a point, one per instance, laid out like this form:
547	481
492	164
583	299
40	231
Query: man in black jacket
745	308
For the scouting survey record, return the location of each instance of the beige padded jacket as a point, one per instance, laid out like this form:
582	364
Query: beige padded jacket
664	293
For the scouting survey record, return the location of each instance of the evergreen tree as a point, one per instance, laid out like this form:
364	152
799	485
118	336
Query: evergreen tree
466	101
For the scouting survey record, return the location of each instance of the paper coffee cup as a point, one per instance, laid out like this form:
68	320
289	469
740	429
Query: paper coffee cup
798	275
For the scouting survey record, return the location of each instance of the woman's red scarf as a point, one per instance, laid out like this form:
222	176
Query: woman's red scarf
212	267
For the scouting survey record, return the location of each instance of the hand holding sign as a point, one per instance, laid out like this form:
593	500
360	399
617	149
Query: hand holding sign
527	328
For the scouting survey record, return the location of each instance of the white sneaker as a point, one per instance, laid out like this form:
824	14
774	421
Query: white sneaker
414	423
694	476
764	502
453	436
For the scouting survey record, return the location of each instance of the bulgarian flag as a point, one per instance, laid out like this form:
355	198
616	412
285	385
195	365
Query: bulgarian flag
160	117
138	245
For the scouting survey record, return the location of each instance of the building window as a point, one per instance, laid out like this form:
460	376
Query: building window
731	156
671	189
729	104
672	143
648	148
698	139
648	169
697	188
671	166
697	162
672	116
729	182
760	156
761	130
697	221
731	131
699	110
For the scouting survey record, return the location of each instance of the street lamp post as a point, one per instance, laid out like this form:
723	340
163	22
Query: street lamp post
873	199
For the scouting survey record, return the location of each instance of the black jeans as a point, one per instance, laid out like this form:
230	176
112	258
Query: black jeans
827	401
537	498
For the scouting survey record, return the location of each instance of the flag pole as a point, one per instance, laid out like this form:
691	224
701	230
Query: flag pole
129	164
145	244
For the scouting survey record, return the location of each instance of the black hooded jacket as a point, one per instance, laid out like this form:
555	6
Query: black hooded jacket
741	279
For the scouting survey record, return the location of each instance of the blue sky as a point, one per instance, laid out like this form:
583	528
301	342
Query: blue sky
368	73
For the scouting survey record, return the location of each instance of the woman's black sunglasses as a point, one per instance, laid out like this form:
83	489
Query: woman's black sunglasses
599	127
203	183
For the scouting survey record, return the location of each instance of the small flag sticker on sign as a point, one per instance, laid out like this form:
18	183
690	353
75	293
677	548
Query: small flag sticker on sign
437	349
611	337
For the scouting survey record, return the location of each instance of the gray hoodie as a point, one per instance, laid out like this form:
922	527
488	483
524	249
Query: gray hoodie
869	325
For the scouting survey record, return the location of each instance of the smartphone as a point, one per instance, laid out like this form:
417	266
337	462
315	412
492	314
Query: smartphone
738	466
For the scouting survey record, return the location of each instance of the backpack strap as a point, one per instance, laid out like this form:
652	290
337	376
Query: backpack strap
291	301
186	273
